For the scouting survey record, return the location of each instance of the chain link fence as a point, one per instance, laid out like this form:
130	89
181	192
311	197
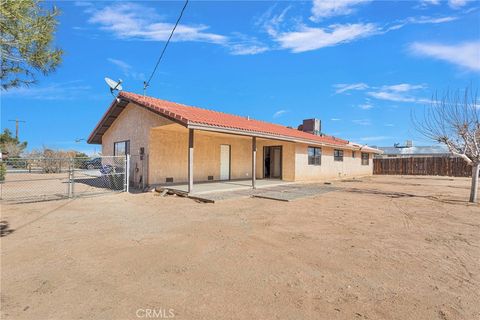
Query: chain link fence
40	179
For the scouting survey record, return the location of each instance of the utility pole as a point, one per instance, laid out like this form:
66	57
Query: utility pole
16	126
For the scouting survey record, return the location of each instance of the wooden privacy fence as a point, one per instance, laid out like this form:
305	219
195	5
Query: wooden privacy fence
428	166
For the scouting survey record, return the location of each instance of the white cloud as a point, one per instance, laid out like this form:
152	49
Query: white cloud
466	55
299	37
343	87
419	20
430	2
53	91
456	4
362	122
396	96
390	96
134	21
245	45
307	38
82	3
365	106
430	20
375	138
127	69
241	49
344	33
389	125
403	87
330	8
271	23
279	113
121	64
402	92
335	119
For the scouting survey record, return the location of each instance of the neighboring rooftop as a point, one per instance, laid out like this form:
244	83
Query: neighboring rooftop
415	151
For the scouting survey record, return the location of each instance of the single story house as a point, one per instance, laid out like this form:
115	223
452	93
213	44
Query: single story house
172	143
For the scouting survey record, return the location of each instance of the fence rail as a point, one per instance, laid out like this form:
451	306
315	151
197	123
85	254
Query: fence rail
39	179
431	166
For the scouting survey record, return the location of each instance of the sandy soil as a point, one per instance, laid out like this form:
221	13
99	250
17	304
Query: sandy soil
383	248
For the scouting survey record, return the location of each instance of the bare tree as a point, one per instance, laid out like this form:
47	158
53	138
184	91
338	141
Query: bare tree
453	120
49	160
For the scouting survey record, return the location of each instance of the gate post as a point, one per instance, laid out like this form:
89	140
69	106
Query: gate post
127	173
70	179
73	178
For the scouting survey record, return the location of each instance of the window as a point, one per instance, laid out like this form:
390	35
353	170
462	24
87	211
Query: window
353	154
337	155
314	156
121	148
365	159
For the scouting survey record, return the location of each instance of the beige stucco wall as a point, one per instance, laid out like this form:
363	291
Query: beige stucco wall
133	124
288	158
169	155
329	169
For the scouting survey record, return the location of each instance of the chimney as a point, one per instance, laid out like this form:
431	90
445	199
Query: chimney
313	126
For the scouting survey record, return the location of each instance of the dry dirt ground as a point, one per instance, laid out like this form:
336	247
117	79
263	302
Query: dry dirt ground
382	248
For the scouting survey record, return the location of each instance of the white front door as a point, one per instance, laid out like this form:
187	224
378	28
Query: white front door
224	162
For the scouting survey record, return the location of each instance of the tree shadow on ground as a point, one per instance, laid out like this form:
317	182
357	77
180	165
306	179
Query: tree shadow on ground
5	228
102	182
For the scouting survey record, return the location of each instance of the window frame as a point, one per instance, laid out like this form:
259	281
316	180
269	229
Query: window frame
353	154
365	161
127	147
316	159
338	155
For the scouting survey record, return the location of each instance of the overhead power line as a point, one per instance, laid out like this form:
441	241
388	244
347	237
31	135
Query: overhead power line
147	83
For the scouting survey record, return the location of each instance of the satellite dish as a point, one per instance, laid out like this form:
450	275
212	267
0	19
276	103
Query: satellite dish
114	85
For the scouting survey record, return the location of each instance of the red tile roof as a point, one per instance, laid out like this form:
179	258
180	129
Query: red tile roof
189	115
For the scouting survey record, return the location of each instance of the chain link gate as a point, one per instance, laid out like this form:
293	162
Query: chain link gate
41	179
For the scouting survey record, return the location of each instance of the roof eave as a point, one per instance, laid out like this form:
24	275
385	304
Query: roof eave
205	127
92	137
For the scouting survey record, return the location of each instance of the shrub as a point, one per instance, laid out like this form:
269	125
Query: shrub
3	171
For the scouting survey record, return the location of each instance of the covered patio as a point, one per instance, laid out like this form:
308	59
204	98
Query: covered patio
201	160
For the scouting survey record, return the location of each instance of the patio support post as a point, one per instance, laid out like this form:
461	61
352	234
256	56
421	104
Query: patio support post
254	162
190	160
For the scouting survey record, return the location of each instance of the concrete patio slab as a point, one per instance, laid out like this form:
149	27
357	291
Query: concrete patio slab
223	186
294	191
279	191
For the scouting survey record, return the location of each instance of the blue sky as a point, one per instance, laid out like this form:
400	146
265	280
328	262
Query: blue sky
360	66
